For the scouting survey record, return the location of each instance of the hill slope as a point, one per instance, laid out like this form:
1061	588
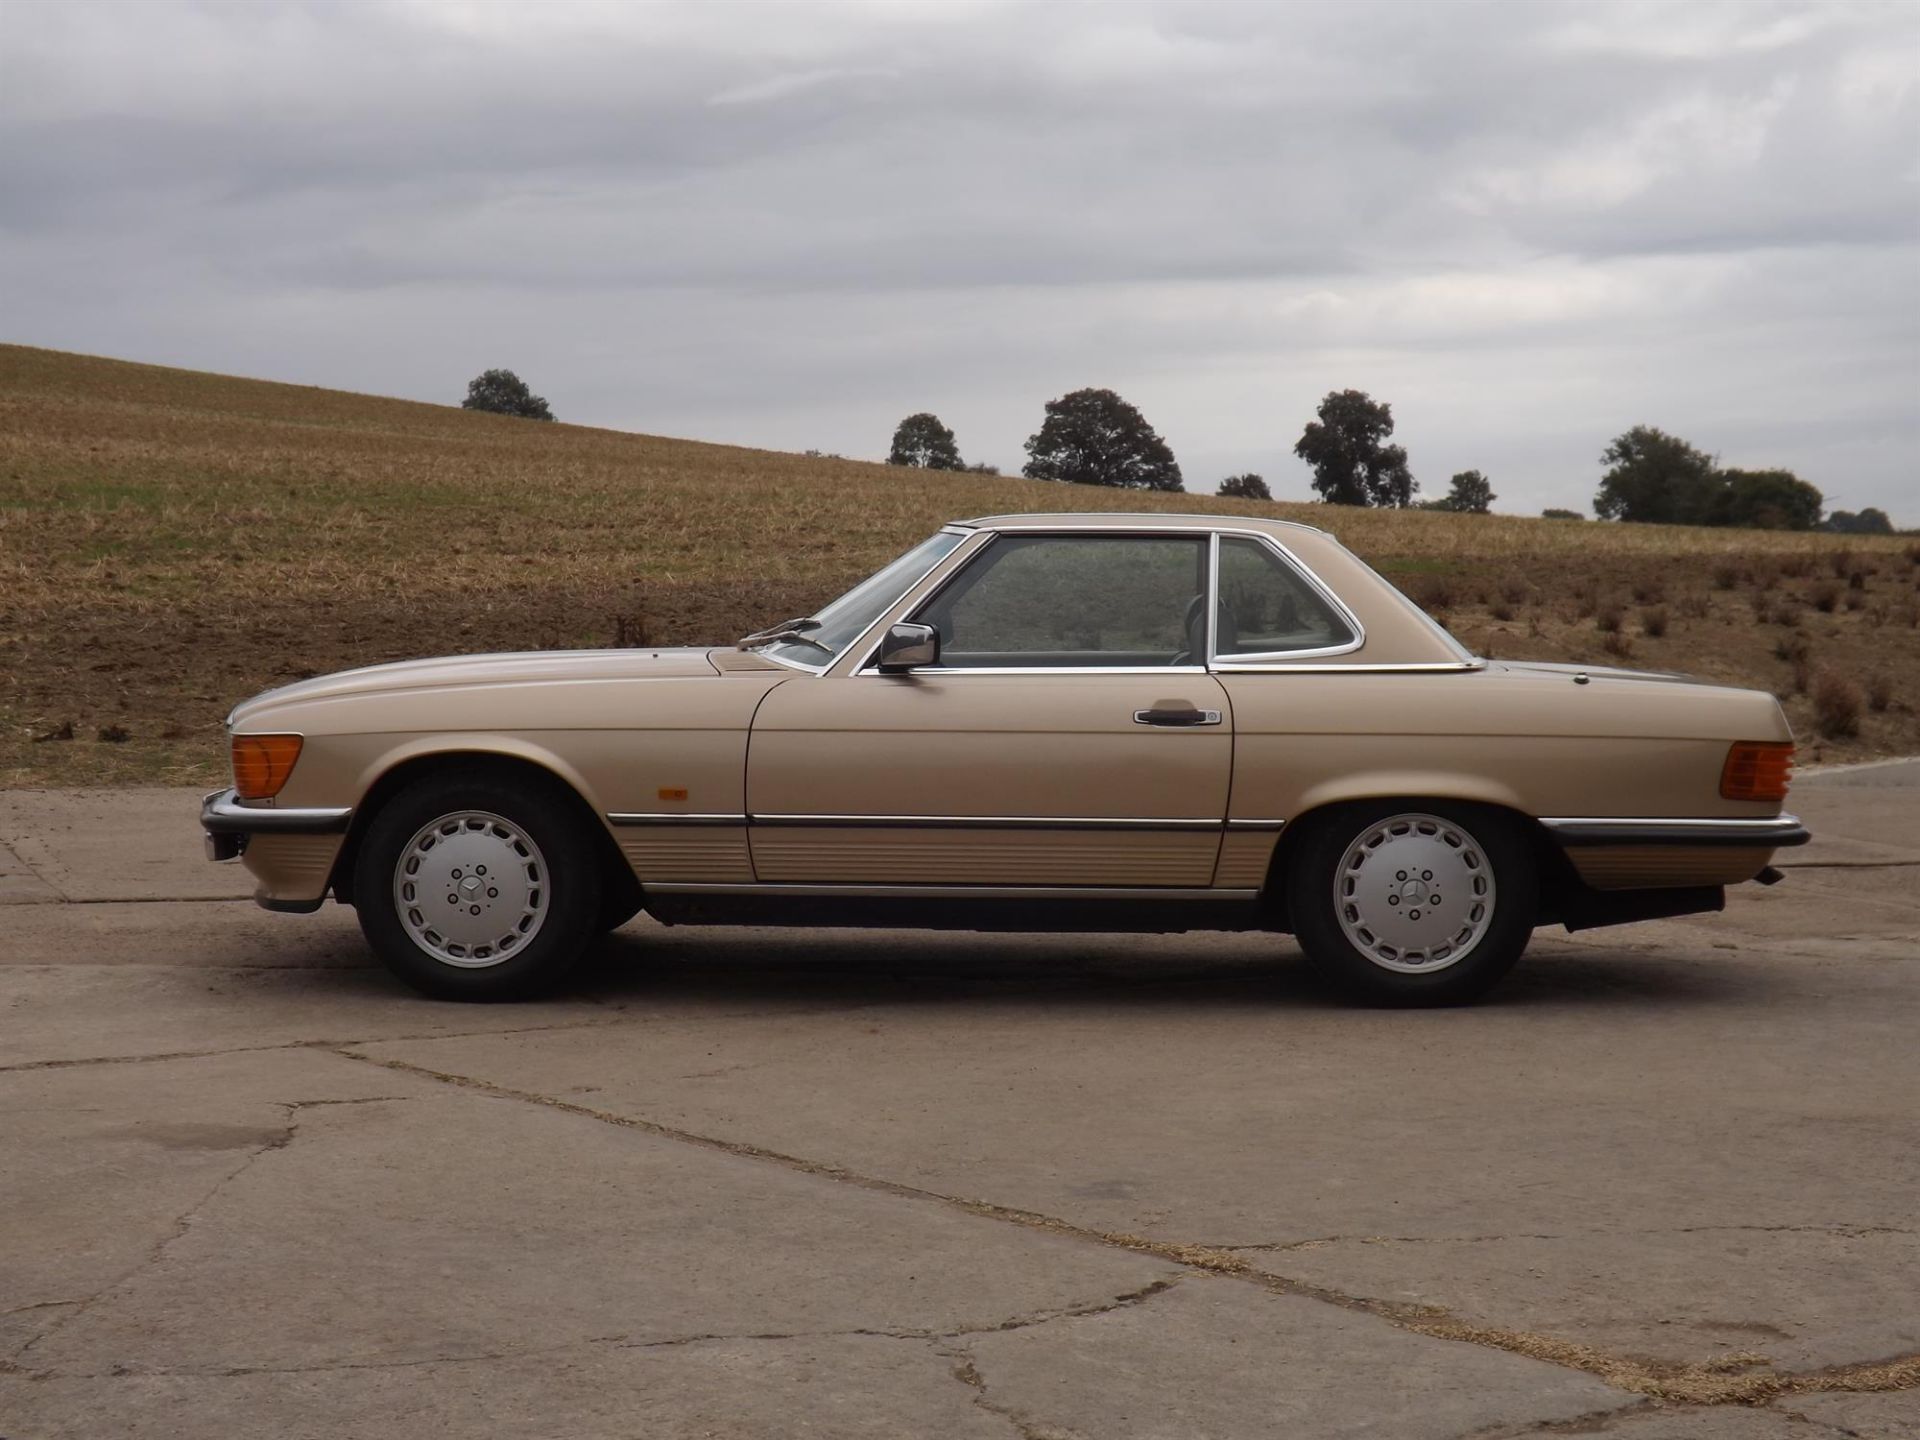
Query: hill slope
172	541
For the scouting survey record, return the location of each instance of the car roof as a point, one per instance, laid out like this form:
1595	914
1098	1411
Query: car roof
1091	519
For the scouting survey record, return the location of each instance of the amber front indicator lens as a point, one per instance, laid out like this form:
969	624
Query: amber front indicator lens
262	763
1757	770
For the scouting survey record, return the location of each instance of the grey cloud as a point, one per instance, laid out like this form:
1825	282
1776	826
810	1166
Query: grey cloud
789	224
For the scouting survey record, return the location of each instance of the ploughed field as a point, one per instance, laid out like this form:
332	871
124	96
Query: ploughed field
172	541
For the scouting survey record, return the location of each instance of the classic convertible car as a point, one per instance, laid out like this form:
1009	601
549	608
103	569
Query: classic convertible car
1032	722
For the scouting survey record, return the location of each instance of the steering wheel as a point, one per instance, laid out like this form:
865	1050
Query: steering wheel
1194	623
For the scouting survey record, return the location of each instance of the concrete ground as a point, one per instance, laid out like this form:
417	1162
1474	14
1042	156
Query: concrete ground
848	1184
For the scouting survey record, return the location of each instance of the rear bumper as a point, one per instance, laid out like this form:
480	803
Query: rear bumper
1774	833
1615	854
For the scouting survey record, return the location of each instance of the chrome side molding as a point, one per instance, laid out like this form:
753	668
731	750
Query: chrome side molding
955	892
647	818
980	822
940	822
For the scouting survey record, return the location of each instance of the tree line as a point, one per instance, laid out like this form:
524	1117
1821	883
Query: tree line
1094	437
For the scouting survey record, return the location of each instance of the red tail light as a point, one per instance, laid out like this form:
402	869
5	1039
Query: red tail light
1757	770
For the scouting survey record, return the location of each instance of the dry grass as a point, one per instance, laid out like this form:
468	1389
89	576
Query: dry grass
172	541
1837	702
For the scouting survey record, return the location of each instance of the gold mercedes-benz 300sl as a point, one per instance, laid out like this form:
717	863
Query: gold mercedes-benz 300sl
1027	722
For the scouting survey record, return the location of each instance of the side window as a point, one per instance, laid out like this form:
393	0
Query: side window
1267	607
1082	600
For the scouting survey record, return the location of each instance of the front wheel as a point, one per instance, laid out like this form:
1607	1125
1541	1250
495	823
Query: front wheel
478	887
1413	902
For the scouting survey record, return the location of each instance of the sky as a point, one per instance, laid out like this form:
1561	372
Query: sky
1525	226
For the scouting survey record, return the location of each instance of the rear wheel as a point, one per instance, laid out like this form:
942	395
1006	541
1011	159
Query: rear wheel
478	887
1413	902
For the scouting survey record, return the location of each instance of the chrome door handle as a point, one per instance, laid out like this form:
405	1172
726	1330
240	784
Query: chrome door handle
1178	717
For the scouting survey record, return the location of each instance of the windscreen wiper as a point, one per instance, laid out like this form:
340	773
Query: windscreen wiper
785	630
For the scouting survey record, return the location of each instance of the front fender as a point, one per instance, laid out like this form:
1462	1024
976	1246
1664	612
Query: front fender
514	747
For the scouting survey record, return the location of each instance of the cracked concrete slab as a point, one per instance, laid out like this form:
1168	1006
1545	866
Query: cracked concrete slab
1256	1365
1891	1415
1675	1422
1613	1100
117	1006
447	1224
100	1170
1801	1296
1872	805
1678	1143
18	883
86	844
179	933
848	1387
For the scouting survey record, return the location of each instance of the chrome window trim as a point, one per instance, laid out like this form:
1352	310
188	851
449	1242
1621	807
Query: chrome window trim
814	670
1175	532
1212	598
1314	583
965	532
944	672
1439	631
983	822
1276	667
965	555
955	892
1050	518
954	562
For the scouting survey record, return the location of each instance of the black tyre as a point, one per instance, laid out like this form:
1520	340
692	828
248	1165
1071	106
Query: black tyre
479	886
1413	902
620	901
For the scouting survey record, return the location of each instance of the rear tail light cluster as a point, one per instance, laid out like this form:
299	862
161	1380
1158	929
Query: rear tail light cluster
1757	770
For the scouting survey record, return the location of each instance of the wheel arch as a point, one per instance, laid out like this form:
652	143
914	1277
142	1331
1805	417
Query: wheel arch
407	767
1556	873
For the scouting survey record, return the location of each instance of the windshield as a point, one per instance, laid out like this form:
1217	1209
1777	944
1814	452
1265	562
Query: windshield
847	618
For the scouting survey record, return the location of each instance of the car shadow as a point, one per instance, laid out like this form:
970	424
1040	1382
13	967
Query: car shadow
726	966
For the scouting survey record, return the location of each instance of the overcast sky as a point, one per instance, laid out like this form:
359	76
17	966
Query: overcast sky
1527	226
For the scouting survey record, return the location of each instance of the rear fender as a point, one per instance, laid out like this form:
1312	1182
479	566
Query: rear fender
1411	785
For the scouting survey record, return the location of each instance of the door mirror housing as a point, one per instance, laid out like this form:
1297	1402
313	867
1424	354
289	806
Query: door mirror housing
906	645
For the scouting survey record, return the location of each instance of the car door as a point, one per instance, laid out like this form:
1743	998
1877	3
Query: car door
1070	735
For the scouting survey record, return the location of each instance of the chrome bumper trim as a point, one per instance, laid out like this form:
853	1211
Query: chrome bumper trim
1777	832
222	814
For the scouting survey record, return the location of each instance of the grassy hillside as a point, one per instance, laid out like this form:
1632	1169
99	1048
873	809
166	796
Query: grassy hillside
172	541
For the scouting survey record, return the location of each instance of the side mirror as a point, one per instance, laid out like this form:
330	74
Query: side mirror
905	646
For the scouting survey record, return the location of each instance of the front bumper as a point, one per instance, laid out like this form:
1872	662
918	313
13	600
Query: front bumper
229	824
291	853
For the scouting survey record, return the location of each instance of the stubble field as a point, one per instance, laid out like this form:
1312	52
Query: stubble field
172	541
